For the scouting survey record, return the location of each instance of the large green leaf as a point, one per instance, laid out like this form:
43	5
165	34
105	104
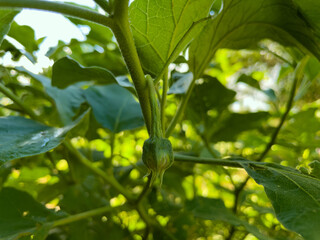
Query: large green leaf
310	9
159	26
67	71
114	107
214	209
6	17
67	101
294	196
22	137
21	215
242	24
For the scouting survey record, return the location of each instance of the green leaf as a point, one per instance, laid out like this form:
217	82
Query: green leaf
310	10
231	125
214	209
208	95
6	17
242	24
249	80
294	196
67	71
114	107
22	137
21	215
24	35
159	26
67	101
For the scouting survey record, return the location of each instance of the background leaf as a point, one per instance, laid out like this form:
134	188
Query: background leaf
242	24
114	107
214	209
25	216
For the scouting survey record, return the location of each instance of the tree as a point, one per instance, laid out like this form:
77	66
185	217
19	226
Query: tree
73	148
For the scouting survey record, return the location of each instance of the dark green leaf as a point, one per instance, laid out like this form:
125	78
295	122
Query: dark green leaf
114	107
214	209
6	17
22	137
242	24
249	80
25	216
294	196
310	10
228	128
67	71
158	26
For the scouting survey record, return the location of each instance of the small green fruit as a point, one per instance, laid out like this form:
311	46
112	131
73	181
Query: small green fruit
157	156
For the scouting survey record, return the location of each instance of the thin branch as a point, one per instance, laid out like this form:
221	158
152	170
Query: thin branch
182	106
152	222
7	92
298	76
145	190
108	178
81	216
67	9
227	162
164	100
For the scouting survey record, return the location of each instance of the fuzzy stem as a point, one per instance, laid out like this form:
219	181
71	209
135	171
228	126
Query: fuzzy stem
156	130
123	34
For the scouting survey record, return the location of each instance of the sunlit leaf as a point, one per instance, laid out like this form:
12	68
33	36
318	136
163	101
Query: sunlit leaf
158	26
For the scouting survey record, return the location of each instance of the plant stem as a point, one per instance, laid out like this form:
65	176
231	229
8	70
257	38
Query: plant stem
153	223
123	34
7	92
164	100
67	9
228	162
181	109
81	216
145	190
108	178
